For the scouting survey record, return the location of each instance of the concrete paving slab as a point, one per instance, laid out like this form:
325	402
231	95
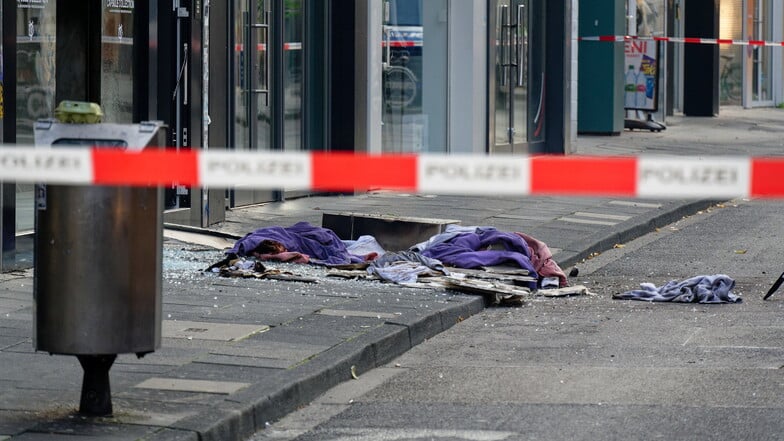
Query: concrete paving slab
234	360
234	372
521	217
15	331
589	221
12	305
186	348
167	356
27	399
25	347
75	427
130	399
322	330
636	204
351	313
271	349
209	330
123	415
14	422
202	386
601	215
10	341
21	294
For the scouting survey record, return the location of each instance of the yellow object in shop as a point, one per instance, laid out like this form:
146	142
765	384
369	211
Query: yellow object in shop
78	112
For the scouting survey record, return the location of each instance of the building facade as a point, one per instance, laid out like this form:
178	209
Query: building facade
692	79
378	76
747	75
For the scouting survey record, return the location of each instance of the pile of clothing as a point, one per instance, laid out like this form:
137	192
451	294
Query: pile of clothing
480	247
457	247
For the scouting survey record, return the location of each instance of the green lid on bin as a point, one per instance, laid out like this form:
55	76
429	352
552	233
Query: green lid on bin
78	112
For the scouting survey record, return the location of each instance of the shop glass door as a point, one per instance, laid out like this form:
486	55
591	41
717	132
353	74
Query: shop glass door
414	82
36	28
762	71
730	55
517	76
267	75
117	63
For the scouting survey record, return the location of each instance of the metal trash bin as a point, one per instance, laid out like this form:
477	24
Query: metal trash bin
98	259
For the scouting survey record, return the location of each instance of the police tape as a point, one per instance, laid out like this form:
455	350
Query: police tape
522	175
682	40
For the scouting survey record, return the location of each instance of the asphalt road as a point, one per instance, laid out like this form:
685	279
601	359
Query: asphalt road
589	368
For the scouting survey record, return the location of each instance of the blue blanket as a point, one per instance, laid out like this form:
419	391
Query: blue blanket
699	289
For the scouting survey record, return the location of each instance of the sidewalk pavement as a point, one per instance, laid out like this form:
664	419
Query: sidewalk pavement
238	354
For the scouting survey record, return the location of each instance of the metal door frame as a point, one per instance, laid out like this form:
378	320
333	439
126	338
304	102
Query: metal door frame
762	19
272	22
515	62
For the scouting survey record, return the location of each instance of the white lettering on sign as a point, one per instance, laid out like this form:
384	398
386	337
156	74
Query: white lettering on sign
31	4
261	170
457	174
59	165
693	177
127	4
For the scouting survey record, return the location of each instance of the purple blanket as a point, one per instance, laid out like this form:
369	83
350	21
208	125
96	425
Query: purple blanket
471	250
321	244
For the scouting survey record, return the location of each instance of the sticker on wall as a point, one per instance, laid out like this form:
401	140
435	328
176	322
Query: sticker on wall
31	4
40	197
120	6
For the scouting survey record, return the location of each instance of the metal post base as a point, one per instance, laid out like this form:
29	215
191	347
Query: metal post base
96	394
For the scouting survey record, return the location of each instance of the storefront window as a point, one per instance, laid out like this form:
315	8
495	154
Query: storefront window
650	17
35	85
267	67
293	27
2	77
516	45
117	61
730	56
415	75
35	61
761	56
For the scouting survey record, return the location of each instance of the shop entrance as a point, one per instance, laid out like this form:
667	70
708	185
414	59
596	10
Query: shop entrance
517	76
267	72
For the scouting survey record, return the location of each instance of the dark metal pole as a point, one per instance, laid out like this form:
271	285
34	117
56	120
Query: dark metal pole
96	394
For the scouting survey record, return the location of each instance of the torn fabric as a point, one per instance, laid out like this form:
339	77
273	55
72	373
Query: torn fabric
405	267
542	259
699	289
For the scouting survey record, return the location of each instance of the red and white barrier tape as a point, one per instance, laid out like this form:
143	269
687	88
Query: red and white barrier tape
643	176
687	40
